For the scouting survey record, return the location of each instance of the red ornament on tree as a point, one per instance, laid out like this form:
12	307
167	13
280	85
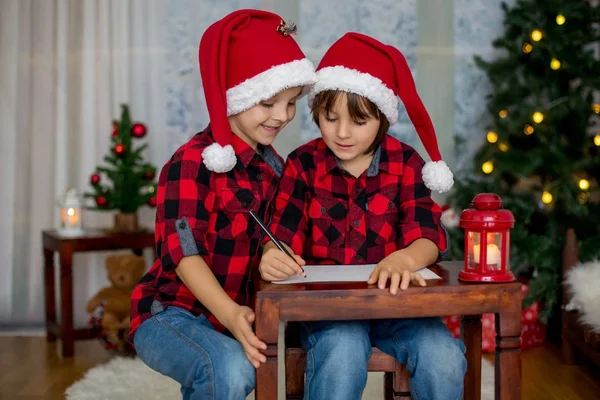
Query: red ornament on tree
101	201
149	175
152	201
120	149
115	132
138	130
95	179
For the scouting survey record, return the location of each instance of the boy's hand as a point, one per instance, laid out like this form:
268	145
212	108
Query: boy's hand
239	323
275	265
399	270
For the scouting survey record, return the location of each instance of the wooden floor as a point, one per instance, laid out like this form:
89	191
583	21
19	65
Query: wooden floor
31	369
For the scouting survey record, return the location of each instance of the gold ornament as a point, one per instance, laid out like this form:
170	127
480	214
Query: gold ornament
537	117
546	198
487	167
528	130
536	35
503	147
597	139
596	108
555	64
560	19
527	48
584	184
503	113
492	137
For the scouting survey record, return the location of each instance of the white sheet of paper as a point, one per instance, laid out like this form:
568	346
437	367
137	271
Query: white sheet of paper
343	273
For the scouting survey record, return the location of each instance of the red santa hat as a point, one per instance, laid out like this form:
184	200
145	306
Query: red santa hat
359	64
245	58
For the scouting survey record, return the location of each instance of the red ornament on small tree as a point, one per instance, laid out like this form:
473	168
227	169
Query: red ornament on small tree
138	130
120	149
101	201
152	201
95	179
115	131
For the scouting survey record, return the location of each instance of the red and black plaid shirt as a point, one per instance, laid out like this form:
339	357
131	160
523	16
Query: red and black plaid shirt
328	216
199	212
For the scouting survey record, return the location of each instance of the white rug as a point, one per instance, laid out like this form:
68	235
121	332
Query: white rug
131	379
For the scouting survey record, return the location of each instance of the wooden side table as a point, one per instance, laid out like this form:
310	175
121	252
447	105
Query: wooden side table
93	240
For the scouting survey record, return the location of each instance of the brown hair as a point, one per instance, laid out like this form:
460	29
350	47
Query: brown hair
359	108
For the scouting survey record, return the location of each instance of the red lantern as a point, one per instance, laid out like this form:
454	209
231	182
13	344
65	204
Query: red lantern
487	240
138	130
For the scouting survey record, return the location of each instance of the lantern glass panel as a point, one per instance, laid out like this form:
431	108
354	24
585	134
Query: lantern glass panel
473	250
506	250
493	256
70	218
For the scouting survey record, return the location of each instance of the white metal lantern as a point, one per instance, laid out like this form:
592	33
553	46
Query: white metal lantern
71	213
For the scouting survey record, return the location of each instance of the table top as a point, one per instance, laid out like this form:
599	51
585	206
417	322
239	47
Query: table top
97	240
448	270
359	300
95	234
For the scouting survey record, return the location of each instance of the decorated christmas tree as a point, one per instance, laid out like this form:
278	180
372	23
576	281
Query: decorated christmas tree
541	152
127	183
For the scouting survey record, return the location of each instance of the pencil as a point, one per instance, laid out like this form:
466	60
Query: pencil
272	237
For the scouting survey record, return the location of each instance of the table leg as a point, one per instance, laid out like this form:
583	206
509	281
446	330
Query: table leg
470	332
508	349
267	327
66	303
49	293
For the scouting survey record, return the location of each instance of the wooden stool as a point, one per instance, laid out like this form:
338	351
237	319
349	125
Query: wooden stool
395	379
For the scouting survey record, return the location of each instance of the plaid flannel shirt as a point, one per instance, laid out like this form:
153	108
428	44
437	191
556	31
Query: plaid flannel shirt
331	217
204	213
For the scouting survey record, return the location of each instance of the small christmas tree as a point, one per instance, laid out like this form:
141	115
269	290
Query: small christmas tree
128	182
542	150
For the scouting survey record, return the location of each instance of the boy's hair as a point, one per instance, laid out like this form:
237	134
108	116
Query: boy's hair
359	108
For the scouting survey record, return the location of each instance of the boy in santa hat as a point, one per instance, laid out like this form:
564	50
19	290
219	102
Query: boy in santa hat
359	196
190	315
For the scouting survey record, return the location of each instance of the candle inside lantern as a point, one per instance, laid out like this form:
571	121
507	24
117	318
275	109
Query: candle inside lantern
71	213
492	257
72	216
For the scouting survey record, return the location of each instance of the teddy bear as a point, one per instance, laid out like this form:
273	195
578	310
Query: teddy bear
123	271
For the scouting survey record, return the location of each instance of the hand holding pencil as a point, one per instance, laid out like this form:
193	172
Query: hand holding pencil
278	263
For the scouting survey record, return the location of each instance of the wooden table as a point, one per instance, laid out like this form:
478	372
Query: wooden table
357	300
93	240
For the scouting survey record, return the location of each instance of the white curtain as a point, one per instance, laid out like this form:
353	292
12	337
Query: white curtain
65	68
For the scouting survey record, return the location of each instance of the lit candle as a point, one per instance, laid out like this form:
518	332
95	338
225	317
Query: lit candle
71	213
72	217
492	257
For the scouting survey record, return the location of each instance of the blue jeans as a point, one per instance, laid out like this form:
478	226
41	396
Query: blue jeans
209	365
337	354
